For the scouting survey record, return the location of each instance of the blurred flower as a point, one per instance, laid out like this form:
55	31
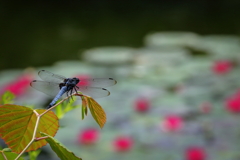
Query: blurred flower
237	94
123	143
195	153
222	67
206	107
233	104
19	86
82	77
179	88
172	123
88	136
142	104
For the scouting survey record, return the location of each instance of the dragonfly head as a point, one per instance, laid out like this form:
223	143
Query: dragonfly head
75	80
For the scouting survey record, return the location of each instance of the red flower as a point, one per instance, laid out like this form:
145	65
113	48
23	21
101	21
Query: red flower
195	153
142	105
233	104
123	143
172	123
19	86
83	81
88	136
222	67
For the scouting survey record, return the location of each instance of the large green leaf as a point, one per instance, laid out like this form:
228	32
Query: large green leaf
17	125
62	152
8	154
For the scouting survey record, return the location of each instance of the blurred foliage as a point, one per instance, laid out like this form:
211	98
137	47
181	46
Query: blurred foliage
167	103
7	98
65	107
42	32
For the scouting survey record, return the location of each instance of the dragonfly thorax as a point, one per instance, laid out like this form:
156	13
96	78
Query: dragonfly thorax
70	83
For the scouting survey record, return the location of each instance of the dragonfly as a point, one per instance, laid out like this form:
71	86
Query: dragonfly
58	86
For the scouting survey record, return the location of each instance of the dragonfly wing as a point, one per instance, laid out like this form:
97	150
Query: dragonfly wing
97	82
50	77
48	88
94	92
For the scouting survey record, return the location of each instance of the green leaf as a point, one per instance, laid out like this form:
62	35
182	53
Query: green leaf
83	112
17	125
6	150
7	97
62	152
70	104
8	154
84	106
65	107
59	111
33	154
86	111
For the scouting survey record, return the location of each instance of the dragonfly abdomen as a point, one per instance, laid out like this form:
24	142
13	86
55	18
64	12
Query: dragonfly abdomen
58	96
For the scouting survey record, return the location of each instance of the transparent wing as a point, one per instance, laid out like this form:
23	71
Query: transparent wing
97	82
94	92
50	77
52	89
48	88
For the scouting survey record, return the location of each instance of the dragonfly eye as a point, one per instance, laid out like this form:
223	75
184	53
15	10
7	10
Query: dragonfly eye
75	80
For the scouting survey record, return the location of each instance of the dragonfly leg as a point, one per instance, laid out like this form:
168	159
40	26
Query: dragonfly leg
76	89
67	93
71	94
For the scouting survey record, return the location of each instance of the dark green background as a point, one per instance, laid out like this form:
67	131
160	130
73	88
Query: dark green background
35	33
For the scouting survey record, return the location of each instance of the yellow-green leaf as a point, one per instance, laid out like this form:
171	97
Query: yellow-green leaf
97	112
17	125
62	152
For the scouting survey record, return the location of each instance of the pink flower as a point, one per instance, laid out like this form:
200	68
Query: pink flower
222	67
237	94
233	104
206	107
84	82
88	136
142	105
195	153
122	144
172	123
20	85
179	88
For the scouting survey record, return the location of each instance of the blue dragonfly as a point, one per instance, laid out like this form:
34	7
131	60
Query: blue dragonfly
59	86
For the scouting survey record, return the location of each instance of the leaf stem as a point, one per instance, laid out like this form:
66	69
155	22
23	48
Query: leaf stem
33	137
4	156
40	138
74	94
